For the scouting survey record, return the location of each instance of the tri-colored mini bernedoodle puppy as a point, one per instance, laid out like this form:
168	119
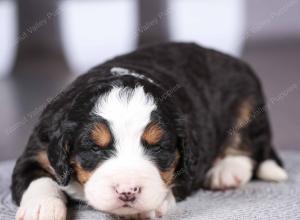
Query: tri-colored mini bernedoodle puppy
144	130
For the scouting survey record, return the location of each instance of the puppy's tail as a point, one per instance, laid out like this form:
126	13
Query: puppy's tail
271	169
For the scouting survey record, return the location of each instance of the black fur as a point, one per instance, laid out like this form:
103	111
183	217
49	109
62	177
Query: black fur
198	92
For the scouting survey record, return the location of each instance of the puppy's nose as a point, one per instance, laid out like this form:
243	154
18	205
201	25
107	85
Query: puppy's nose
128	194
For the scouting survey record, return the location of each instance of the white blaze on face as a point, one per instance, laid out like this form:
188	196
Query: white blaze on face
128	113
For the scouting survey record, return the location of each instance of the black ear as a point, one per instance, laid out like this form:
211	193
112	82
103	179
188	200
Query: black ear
183	167
187	150
59	158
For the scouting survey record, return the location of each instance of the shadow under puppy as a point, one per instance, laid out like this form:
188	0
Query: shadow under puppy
144	130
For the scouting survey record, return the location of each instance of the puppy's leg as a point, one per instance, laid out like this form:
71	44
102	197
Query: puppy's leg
34	189
247	148
42	200
269	165
234	166
230	172
271	169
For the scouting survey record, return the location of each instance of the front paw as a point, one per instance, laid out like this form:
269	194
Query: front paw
168	204
49	208
143	216
230	172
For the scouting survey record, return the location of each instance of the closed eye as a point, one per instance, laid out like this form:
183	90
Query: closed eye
156	149
151	147
95	149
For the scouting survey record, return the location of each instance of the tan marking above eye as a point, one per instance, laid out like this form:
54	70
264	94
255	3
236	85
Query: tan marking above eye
153	133
101	135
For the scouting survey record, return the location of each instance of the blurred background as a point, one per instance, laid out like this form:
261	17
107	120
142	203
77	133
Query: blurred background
45	44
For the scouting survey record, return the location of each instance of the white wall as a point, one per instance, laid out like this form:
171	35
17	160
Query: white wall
212	23
94	31
7	36
273	19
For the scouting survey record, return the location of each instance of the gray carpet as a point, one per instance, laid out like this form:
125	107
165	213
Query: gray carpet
257	200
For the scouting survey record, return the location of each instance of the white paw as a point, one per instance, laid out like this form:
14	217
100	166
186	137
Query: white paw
42	209
43	200
141	216
168	204
230	172
269	170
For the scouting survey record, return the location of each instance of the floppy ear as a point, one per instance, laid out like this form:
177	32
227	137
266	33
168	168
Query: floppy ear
183	167
59	158
188	150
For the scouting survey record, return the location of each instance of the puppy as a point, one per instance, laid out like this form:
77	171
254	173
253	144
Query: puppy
144	130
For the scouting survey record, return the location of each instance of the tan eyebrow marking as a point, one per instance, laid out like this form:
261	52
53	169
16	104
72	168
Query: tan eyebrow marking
153	133
101	135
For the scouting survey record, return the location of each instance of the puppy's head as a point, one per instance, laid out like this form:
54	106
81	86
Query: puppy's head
126	155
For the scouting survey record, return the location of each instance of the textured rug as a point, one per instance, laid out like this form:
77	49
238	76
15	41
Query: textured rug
257	200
